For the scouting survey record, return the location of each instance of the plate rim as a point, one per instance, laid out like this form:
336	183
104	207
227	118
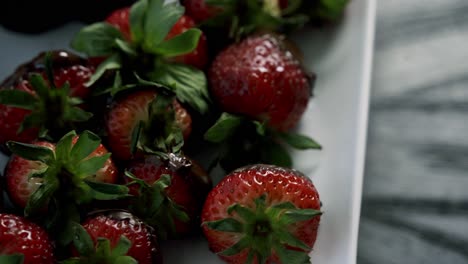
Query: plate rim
362	127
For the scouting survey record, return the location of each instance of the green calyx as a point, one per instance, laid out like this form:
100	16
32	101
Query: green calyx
53	111
160	134
245	17
148	53
67	180
102	253
266	231
252	141
155	207
12	259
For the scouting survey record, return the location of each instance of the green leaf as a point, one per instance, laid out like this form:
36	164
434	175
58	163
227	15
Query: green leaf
82	240
108	187
298	215
274	153
180	44
18	98
331	9
122	247
86	144
89	167
137	20
63	148
244	212
126	47
113	62
300	141
39	85
12	259
106	191
96	39
260	127
242	244
103	247
136	133
287	238
292	256
32	152
189	84
226	225
125	260
224	128
159	21
76	114
41	196
32	120
285	205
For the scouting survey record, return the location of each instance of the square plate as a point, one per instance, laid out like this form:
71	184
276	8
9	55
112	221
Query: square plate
341	56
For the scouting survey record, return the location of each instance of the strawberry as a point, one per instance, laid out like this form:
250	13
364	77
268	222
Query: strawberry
261	79
120	19
151	41
23	239
262	214
243	17
12	119
170	193
61	178
136	119
200	10
31	105
19	184
197	58
264	92
115	237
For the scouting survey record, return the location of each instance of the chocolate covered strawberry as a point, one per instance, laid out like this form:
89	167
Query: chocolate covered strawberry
264	91
110	237
22	241
262	214
61	179
150	41
43	97
169	193
146	121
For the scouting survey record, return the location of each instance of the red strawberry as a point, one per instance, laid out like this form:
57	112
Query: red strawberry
21	185
261	79
114	236
120	19
63	179
262	214
171	193
20	236
199	10
126	115
197	58
18	172
11	119
39	105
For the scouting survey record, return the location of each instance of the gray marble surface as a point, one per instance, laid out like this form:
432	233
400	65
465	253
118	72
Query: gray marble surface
415	199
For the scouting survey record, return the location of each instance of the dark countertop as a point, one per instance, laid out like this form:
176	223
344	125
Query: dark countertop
415	199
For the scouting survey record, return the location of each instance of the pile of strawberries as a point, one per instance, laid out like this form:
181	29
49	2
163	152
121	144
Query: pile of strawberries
106	142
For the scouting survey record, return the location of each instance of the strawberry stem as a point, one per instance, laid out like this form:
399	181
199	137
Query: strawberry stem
265	230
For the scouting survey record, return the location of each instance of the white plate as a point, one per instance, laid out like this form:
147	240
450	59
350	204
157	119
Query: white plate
337	117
